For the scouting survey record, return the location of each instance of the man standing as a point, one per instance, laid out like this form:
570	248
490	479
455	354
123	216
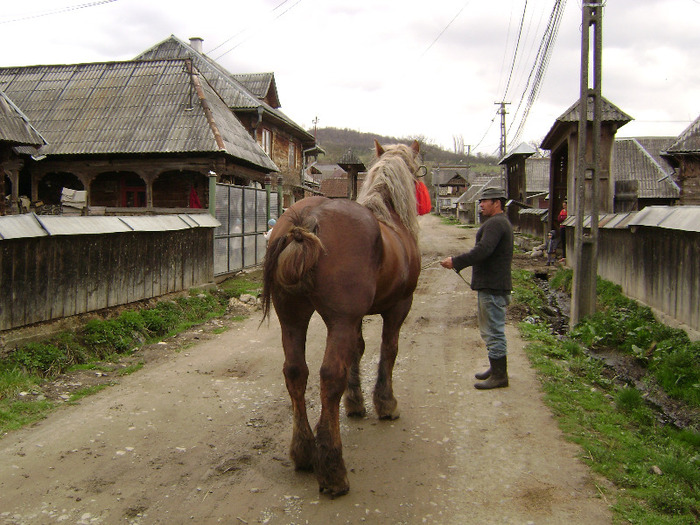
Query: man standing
491	260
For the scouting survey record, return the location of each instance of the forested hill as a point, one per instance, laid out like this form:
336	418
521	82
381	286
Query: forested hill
336	142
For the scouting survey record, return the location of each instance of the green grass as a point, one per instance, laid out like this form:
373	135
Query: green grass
655	468
100	343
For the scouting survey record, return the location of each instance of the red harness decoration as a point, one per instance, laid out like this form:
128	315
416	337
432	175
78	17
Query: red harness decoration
422	198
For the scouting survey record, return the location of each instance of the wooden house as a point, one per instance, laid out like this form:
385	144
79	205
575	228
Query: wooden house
684	157
137	136
449	183
562	141
255	101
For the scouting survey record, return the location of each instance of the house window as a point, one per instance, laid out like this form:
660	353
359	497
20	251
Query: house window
133	191
292	155
267	141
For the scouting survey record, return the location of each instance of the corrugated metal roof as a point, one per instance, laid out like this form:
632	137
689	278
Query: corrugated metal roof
685	218
20	226
62	225
235	94
147	223
126	107
14	125
634	160
32	225
682	218
688	141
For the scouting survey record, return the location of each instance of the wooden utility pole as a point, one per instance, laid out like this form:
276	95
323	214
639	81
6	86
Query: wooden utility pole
583	300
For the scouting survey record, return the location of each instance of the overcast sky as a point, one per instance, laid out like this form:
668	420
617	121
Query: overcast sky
403	68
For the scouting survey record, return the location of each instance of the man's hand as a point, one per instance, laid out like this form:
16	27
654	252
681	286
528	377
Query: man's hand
447	263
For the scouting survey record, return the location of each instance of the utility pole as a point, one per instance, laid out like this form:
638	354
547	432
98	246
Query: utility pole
502	144
583	300
315	121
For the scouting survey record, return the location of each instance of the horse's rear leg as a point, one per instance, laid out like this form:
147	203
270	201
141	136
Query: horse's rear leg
354	400
341	349
296	372
384	401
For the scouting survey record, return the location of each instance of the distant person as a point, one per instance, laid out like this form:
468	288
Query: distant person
491	259
562	230
270	224
551	246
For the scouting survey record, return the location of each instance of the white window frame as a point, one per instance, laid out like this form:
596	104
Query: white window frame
267	141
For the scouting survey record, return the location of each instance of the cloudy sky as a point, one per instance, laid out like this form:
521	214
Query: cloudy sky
408	68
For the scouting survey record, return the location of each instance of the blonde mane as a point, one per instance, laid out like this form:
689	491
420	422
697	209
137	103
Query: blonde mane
390	186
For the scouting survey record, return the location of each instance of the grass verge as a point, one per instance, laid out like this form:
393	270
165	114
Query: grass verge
654	468
24	369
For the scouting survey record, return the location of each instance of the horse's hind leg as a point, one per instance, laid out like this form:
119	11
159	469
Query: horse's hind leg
384	401
354	400
296	372
340	353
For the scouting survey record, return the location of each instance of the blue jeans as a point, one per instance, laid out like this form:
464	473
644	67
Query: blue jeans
491	311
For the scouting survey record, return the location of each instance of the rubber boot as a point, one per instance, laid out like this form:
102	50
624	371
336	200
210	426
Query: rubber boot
483	375
499	375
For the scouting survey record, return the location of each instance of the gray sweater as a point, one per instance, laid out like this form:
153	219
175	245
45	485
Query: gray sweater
491	257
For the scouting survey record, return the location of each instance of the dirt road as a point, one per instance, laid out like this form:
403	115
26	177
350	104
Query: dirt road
201	435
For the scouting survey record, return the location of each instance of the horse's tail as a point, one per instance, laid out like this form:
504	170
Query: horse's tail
290	260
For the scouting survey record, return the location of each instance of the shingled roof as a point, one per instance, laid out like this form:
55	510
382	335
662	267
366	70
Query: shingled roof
234	93
14	125
688	141
609	113
159	106
262	85
638	159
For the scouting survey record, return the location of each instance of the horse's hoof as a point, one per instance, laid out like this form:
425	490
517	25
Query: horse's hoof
357	412
335	492
391	417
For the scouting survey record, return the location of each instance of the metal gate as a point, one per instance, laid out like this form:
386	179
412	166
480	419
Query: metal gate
243	213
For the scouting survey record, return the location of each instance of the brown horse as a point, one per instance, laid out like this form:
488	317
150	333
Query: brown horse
344	260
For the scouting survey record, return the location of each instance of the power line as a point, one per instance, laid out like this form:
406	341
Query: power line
246	29
539	68
58	11
445	28
515	51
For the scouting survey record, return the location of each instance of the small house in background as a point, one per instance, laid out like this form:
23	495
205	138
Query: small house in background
684	156
467	205
449	183
641	176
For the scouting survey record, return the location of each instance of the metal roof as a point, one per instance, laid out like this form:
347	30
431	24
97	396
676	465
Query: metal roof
639	159
20	226
681	218
14	125
32	225
686	218
128	107
234	93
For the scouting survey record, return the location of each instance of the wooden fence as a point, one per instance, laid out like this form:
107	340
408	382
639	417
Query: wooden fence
55	267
